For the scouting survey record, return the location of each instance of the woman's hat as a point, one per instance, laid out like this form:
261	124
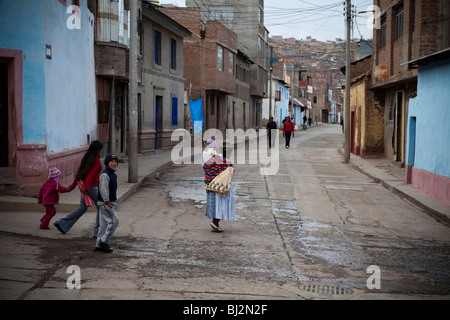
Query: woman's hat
211	144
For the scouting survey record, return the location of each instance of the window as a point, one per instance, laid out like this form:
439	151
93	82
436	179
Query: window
231	62
211	105
173	54
157	47
383	31
104	100
220	58
260	44
174	111
278	95
398	14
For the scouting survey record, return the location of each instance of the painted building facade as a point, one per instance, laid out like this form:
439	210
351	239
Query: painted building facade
428	146
161	91
280	101
366	117
48	89
409	29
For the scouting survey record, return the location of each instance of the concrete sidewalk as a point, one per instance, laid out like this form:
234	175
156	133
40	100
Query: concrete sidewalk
392	178
147	165
380	170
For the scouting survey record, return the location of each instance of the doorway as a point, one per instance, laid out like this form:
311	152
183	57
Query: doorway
158	121
352	132
4	144
399	128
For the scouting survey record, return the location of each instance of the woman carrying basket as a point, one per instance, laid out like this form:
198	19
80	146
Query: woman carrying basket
220	204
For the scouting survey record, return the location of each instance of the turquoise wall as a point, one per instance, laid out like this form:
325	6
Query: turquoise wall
22	28
59	94
70	88
428	148
283	105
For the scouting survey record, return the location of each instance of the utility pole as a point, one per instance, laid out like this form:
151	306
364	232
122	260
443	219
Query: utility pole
347	88
270	81
132	98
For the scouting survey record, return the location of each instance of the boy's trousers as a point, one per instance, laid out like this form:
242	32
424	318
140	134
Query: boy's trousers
108	223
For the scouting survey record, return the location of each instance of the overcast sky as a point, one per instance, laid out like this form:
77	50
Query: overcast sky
320	19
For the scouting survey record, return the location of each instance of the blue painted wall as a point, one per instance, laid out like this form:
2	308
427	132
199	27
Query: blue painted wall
59	94
428	148
283	105
22	28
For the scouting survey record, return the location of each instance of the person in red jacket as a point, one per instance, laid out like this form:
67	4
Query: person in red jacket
49	195
288	129
89	172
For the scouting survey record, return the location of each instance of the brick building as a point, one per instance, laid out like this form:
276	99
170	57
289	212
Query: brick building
252	41
409	29
111	70
215	70
319	82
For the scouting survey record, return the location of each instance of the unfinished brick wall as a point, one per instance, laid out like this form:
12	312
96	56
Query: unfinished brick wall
111	59
425	31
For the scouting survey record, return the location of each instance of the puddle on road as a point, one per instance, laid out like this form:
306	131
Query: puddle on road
328	243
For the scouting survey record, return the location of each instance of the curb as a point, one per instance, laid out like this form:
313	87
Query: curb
30	204
432	207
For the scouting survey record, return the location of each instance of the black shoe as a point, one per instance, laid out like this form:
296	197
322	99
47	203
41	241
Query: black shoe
58	227
103	247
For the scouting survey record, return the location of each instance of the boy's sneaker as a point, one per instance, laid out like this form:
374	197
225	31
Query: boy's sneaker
103	247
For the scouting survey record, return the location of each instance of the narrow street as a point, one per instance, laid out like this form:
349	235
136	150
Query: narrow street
309	232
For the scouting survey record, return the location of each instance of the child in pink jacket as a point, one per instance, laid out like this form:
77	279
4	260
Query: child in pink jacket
49	195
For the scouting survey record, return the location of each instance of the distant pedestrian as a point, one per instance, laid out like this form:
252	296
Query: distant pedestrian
89	173
309	121
49	195
342	124
107	197
288	130
217	207
271	125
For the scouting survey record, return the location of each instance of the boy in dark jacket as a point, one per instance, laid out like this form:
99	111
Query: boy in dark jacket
107	197
49	195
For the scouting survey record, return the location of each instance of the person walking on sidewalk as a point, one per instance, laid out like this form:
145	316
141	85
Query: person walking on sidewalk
288	130
271	134
107	197
88	172
217	208
49	195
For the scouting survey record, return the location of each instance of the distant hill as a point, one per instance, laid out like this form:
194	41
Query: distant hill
310	52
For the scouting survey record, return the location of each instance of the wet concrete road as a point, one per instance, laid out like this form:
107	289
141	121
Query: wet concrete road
309	232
